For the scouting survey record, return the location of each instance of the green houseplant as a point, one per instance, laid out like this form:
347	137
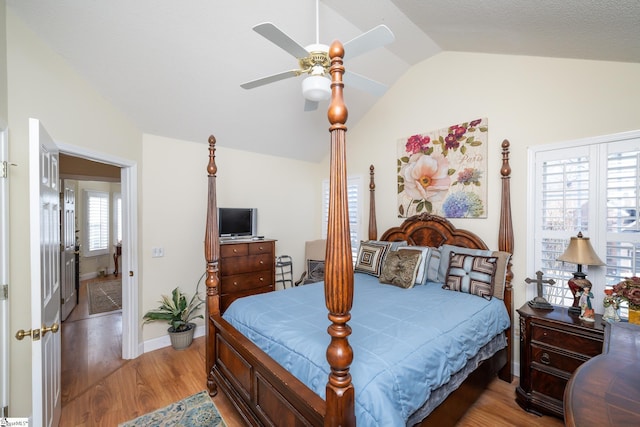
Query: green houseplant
179	311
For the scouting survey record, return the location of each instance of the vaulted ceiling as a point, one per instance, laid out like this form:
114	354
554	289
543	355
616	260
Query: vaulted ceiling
175	67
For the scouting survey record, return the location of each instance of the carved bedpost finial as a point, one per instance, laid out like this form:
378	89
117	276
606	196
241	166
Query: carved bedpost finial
212	169
337	110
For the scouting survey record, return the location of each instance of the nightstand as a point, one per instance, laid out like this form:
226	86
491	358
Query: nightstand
553	343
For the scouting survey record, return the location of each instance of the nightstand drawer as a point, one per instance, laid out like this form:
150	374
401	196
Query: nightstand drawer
548	384
566	340
553	359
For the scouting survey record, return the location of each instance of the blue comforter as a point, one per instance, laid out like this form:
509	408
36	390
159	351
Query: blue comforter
406	342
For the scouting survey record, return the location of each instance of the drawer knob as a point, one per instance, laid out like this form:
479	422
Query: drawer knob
235	251
261	262
235	283
262	279
546	359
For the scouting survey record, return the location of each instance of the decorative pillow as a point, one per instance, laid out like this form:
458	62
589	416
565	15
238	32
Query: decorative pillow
315	271
445	250
394	245
429	256
434	265
400	268
472	274
371	256
501	273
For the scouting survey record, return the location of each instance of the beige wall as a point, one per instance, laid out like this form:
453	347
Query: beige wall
528	100
42	86
283	191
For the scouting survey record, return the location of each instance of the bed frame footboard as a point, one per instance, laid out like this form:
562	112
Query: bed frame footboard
261	390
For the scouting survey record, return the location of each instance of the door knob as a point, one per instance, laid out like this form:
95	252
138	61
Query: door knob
36	333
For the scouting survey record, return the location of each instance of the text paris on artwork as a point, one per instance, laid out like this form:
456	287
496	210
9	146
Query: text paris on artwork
443	172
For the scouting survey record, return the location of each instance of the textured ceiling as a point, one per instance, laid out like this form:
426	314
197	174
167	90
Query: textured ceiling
174	68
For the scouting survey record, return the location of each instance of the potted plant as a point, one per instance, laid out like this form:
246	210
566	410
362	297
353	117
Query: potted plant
178	313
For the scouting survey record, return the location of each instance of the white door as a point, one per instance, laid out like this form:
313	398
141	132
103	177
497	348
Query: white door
68	295
4	272
45	276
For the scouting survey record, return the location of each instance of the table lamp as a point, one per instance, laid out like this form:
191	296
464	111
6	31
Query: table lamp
579	252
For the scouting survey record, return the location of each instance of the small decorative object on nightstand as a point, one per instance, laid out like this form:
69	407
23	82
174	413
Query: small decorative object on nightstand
581	253
611	305
539	301
586	309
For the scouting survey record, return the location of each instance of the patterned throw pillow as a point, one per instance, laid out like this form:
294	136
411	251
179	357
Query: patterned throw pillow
472	274
371	256
429	262
315	271
400	268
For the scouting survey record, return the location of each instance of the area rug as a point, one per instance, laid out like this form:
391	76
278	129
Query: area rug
194	411
104	296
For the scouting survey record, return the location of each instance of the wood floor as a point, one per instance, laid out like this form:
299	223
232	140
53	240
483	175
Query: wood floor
101	389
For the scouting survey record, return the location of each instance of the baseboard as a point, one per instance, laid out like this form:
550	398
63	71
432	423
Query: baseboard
165	341
87	276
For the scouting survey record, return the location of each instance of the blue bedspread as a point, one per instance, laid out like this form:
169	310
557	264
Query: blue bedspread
406	342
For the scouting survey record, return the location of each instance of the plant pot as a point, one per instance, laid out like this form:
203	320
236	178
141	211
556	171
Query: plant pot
634	316
183	339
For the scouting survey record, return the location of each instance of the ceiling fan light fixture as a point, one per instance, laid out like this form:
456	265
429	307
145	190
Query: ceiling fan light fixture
316	88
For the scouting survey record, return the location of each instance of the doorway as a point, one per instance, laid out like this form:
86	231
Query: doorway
129	259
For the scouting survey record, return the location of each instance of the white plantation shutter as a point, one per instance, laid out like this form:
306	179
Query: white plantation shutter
592	187
117	217
353	198
97	223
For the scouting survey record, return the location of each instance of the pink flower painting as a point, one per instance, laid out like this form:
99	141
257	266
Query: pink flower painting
444	172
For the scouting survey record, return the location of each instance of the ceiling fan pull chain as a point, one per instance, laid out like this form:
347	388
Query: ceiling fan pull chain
317	22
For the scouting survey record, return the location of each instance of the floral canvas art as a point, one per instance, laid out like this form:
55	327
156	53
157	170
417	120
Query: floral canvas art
444	172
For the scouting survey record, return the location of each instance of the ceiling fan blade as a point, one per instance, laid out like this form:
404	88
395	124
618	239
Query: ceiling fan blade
278	37
310	105
374	38
270	79
363	83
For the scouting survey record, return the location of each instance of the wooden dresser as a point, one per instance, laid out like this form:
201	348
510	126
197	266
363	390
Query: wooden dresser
553	344
246	268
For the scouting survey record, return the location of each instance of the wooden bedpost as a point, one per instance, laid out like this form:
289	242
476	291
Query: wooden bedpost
212	255
506	243
338	285
373	227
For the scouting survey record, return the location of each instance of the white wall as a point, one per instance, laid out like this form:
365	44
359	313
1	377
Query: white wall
527	100
286	193
41	85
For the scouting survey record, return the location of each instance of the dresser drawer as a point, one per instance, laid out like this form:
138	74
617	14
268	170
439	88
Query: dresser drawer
246	264
547	357
246	281
233	250
566	340
258	248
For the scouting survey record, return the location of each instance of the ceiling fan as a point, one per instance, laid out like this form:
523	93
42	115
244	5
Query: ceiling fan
314	61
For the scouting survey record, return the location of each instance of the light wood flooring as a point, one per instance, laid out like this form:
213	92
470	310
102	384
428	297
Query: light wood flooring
101	389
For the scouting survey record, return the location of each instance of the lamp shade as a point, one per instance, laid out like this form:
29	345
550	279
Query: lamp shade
580	252
316	88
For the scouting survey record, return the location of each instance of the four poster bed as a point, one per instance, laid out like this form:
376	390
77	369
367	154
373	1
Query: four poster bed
282	363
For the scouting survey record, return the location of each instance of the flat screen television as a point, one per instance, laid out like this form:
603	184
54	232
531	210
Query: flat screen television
237	222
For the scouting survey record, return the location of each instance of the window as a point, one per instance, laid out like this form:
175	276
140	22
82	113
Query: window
590	186
97	223
117	217
353	198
